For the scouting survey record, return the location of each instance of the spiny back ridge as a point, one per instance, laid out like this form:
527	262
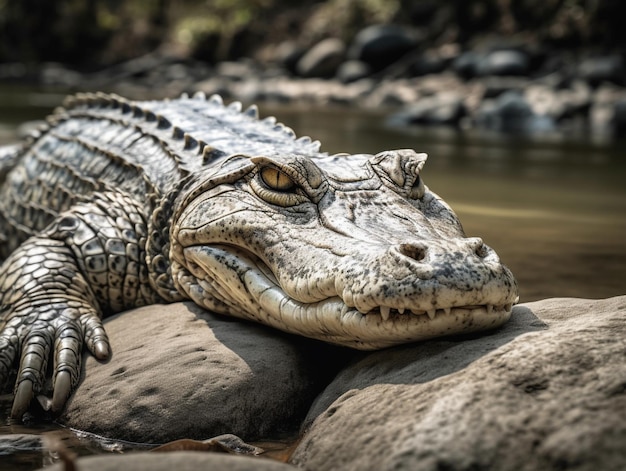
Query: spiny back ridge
180	117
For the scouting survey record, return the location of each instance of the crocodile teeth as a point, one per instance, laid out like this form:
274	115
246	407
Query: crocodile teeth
384	312
489	308
401	310
447	310
431	313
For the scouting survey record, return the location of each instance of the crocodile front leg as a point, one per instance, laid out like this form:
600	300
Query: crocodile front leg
55	288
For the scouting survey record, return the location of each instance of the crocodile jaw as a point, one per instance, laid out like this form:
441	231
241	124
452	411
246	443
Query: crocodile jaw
226	279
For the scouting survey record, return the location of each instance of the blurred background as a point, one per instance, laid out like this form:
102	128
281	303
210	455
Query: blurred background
520	104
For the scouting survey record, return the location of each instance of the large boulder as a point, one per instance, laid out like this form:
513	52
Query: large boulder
504	62
180	372
323	59
381	45
512	113
546	391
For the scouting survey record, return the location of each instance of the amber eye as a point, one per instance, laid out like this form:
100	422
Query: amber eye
276	180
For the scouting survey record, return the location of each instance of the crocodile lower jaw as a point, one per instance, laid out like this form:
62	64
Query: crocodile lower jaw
247	286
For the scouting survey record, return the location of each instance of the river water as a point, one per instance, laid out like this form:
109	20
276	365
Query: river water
553	208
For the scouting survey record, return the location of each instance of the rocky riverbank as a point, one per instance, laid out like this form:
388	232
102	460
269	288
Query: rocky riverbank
501	86
546	391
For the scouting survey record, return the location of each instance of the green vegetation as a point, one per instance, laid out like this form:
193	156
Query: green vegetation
91	33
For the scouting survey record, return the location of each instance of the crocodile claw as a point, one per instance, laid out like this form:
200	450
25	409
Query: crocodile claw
38	335
23	395
62	390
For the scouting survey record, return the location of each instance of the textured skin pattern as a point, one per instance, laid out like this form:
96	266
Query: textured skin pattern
117	204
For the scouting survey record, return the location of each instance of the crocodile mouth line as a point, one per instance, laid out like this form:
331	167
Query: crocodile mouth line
329	319
389	314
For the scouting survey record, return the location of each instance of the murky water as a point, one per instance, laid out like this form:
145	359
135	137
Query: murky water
554	209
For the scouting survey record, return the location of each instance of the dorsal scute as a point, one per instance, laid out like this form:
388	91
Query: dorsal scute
182	119
233	112
95	100
252	111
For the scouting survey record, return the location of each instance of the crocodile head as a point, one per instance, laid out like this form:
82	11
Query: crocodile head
353	250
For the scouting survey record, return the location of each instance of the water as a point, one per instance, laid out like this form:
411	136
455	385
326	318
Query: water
553	208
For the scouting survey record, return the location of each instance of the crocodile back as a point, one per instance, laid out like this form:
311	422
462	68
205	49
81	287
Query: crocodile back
100	142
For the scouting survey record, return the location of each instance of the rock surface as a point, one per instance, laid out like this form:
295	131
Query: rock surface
547	391
381	45
180	372
323	59
180	461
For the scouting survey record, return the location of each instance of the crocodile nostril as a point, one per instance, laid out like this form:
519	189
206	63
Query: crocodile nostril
416	252
477	245
482	251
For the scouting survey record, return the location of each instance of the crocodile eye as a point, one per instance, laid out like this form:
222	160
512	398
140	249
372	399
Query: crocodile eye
277	187
276	180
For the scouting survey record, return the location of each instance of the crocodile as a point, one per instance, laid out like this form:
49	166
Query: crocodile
115	204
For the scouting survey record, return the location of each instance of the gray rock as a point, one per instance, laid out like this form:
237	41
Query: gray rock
381	45
618	122
546	391
559	103
596	70
606	112
495	86
179	460
351	71
428	63
180	372
287	54
504	62
466	64
323	59
438	110
236	71
511	113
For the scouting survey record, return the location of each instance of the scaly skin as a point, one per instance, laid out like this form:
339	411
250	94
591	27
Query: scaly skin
119	204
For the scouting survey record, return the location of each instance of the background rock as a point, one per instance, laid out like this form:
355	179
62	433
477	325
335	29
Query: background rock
504	62
323	59
351	71
382	45
443	109
180	372
547	391
619	118
511	113
603	69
